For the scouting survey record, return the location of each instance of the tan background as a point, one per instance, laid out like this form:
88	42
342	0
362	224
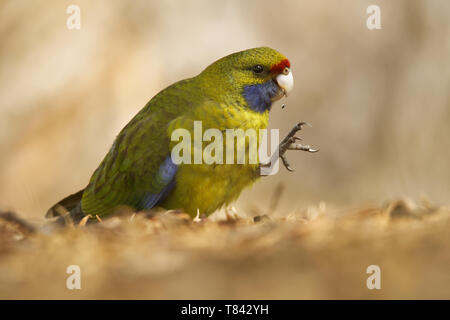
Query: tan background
379	100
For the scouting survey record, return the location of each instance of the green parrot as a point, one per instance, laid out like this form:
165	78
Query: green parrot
138	172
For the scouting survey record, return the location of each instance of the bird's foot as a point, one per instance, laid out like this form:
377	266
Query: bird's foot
290	143
200	217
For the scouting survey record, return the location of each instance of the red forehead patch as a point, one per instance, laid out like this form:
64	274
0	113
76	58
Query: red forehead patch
278	68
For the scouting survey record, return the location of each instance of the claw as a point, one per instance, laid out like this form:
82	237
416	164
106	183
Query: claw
286	163
301	124
302	148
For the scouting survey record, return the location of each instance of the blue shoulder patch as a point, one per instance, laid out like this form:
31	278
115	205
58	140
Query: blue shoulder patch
167	171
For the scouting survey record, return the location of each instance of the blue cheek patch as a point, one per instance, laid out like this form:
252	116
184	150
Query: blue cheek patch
258	96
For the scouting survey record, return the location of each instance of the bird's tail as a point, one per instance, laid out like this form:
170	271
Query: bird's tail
68	210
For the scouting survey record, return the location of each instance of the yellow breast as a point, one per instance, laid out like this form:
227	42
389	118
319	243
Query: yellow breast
207	187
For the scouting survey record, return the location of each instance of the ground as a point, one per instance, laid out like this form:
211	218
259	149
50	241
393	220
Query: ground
316	252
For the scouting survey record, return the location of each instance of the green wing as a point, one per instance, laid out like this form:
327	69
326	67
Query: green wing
136	172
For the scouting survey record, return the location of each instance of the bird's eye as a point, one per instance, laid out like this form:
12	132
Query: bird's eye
258	69
286	70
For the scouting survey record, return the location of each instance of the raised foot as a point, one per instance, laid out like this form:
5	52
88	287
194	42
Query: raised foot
289	143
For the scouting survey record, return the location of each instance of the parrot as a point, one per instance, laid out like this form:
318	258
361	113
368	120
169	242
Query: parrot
138	172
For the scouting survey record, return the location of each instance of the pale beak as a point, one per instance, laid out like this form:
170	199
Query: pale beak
285	81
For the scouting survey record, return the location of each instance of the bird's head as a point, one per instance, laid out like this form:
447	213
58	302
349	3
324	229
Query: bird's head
255	77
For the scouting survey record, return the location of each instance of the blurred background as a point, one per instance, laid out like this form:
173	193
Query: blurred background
378	100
